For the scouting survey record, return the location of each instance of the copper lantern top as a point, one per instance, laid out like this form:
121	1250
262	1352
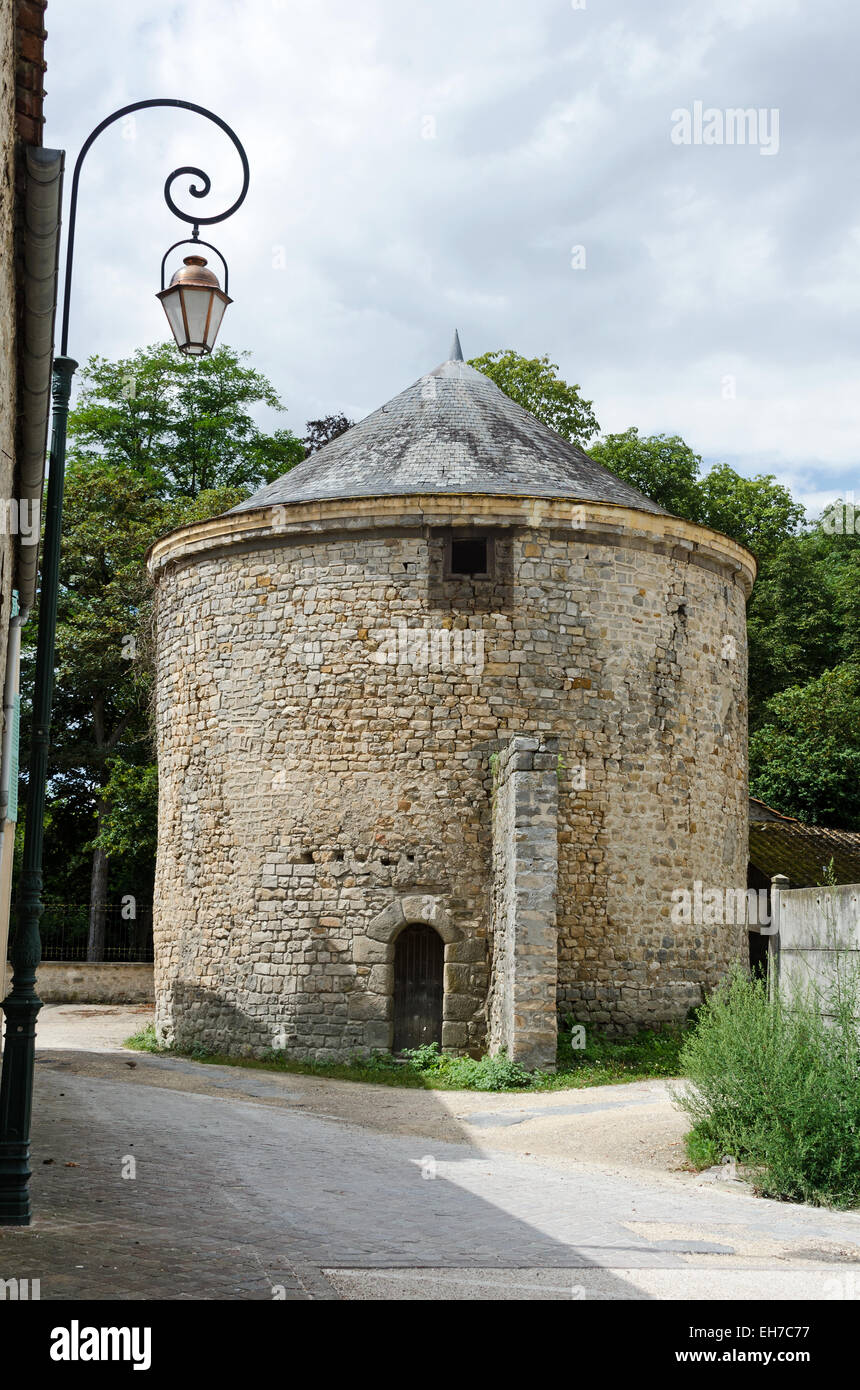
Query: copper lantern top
194	271
194	303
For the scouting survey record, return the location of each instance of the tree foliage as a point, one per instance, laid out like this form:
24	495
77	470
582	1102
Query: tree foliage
805	754
759	512
129	827
798	625
662	466
322	432
155	441
534	383
189	418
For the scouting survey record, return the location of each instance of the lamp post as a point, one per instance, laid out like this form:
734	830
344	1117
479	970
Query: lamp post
194	304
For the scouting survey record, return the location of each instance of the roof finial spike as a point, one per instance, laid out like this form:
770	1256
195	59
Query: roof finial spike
456	351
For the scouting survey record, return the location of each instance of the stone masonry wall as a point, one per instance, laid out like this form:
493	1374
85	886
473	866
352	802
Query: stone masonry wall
95	982
523	932
324	778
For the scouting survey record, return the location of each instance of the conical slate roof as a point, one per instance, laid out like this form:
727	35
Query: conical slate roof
452	431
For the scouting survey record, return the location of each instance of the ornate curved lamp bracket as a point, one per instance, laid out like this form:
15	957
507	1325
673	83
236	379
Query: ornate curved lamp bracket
196	190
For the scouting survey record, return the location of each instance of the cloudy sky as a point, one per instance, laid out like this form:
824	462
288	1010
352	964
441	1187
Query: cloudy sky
512	167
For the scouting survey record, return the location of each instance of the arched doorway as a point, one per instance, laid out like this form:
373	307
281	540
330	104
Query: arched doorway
418	988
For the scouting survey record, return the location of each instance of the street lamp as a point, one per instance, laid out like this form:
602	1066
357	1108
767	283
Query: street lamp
195	305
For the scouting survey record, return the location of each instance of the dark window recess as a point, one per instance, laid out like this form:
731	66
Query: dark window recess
469	555
470	570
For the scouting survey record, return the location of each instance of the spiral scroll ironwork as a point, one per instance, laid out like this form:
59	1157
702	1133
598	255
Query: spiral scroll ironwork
196	190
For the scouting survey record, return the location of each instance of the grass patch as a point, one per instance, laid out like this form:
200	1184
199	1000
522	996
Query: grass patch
601	1062
777	1086
604	1061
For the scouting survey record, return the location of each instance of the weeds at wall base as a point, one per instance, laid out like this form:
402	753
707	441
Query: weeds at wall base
604	1061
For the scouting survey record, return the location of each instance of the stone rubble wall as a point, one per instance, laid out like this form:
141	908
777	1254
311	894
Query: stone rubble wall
523	930
95	982
307	787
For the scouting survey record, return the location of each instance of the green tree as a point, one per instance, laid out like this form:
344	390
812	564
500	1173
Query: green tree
318	433
796	618
111	515
805	755
534	383
758	512
190	418
129	826
841	549
662	466
155	441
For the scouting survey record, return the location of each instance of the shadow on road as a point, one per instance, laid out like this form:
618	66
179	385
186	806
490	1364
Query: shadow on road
157	1177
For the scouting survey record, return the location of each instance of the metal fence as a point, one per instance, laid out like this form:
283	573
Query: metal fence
65	929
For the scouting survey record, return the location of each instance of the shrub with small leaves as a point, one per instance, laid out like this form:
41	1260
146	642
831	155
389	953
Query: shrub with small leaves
776	1084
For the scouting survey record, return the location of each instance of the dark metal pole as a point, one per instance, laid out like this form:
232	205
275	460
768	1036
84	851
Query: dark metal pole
22	1004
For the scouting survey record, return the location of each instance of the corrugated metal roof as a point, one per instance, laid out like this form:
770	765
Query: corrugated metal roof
452	431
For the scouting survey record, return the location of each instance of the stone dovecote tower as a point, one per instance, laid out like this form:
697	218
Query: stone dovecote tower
445	717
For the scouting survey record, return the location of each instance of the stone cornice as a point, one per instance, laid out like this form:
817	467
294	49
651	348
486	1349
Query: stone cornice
592	521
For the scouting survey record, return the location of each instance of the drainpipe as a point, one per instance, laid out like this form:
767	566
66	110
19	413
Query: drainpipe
40	249
39	242
9	773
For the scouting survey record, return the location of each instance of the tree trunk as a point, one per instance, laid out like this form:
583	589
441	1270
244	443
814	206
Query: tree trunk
98	874
98	900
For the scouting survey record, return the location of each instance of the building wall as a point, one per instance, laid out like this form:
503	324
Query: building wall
8	395
308	788
655	708
22	67
95	982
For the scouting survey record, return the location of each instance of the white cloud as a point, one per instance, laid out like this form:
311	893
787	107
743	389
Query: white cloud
548	128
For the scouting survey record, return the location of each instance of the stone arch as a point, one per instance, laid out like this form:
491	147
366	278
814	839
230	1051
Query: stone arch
389	923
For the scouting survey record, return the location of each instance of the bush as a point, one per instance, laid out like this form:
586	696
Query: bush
145	1040
424	1058
487	1073
497	1073
776	1085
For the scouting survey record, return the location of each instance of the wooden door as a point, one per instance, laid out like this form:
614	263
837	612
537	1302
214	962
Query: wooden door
418	966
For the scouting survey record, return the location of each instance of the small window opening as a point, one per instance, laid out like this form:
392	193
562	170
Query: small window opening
469	555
